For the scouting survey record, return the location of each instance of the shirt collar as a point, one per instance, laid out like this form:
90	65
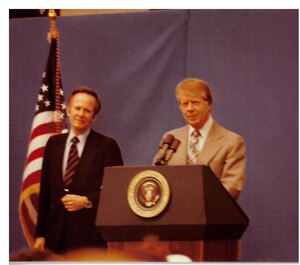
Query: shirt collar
82	137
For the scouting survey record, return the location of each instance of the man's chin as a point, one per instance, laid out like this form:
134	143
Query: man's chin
80	125
80	128
193	122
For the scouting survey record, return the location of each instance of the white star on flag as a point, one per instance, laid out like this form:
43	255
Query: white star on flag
44	88
47	103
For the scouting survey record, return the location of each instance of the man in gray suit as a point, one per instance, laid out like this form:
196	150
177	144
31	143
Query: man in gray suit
205	142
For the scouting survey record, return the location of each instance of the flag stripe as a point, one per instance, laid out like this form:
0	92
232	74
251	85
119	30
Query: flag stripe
39	152
33	166
31	179
42	129
38	142
42	117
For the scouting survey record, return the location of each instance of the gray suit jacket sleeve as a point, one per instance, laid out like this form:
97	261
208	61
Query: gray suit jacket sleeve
224	152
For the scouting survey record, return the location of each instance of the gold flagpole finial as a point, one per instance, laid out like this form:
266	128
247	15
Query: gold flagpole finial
53	30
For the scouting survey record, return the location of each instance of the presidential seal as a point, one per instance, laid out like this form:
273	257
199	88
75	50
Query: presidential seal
148	193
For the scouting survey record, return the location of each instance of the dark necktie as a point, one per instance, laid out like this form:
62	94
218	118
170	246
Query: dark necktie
193	151
73	161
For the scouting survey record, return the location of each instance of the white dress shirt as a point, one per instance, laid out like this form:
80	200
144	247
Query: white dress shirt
80	145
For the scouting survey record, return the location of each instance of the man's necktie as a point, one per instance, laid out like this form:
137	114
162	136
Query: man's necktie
193	148
73	160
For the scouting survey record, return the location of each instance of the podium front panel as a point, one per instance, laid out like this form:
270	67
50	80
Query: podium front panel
185	217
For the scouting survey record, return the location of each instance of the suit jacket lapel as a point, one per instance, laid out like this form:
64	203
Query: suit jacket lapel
86	158
184	143
59	155
211	146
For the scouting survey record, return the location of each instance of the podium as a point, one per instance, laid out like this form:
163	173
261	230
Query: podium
201	219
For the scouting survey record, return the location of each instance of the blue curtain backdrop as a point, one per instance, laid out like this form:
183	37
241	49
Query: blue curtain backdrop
135	60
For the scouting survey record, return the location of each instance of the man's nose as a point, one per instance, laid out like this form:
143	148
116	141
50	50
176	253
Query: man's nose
81	112
190	106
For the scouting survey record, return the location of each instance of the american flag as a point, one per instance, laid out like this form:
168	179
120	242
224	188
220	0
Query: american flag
49	119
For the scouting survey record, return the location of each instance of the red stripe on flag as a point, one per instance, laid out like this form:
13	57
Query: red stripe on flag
31	179
37	153
43	129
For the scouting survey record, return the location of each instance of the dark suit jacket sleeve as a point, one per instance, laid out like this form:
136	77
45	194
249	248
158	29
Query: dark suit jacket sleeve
112	157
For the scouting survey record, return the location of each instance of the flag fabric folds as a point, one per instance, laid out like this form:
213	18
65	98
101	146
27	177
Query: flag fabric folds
49	119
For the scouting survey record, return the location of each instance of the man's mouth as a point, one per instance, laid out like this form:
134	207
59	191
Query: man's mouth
79	121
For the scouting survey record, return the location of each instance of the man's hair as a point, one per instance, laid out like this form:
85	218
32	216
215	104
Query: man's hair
89	91
194	85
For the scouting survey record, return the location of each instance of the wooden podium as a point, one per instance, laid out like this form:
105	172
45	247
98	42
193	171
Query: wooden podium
201	219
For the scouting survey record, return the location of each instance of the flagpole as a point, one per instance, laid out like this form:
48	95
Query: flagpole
53	30
53	34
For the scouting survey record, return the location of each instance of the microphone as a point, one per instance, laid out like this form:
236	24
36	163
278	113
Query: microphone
163	147
172	150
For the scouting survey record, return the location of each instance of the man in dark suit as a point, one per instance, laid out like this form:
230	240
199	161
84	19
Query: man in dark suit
69	193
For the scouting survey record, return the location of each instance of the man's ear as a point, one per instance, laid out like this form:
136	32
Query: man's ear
95	117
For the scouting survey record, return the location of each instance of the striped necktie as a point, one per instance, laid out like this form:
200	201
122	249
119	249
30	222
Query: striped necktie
73	161
193	151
